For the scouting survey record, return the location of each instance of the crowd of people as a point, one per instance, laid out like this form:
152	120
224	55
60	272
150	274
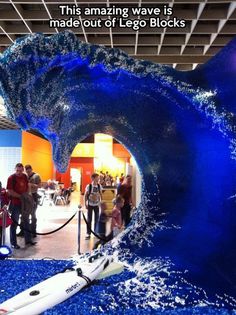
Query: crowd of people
54	191
21	194
121	213
107	180
22	197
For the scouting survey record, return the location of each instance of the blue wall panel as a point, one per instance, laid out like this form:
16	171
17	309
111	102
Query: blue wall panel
10	138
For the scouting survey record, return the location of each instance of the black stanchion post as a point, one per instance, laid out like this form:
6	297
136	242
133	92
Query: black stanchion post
79	227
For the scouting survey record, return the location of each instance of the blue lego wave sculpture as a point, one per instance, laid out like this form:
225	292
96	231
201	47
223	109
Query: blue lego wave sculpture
179	126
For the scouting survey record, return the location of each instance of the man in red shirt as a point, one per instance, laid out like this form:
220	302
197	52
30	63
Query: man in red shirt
125	191
17	184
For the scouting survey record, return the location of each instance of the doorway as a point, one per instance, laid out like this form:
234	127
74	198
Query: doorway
75	175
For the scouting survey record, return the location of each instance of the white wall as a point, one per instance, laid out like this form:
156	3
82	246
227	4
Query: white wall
9	157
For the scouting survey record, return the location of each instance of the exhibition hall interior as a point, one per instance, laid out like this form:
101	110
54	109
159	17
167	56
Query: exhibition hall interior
126	112
62	193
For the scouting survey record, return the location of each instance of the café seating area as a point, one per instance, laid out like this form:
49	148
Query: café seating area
54	193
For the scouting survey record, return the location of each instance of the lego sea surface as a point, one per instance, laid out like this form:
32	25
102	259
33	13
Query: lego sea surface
180	127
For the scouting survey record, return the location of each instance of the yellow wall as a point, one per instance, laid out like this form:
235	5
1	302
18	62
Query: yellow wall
113	156
83	150
38	153
88	150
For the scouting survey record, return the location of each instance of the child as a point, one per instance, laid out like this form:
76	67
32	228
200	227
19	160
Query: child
116	221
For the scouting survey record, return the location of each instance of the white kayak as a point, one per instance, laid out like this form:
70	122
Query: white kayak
56	289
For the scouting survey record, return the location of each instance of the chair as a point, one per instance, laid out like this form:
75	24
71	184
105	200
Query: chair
66	194
61	199
58	196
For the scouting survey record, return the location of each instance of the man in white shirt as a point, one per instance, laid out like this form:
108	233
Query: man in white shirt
34	183
92	200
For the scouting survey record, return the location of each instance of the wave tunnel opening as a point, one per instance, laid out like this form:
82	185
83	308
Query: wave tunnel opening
174	124
100	153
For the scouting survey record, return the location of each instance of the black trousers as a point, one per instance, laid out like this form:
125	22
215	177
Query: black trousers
125	214
92	209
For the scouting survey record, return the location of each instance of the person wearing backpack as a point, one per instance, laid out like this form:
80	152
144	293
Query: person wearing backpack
35	183
92	200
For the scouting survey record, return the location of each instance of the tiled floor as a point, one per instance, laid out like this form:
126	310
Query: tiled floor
62	244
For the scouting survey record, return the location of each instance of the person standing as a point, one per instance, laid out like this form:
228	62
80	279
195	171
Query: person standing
4	201
4	198
125	191
17	185
92	200
116	220
34	183
121	179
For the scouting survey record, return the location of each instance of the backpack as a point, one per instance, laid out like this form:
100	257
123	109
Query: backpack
90	190
31	175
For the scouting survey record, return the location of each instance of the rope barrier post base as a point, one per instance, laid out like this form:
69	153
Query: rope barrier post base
79	227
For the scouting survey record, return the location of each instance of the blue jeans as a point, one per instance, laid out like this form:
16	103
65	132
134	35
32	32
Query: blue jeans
15	213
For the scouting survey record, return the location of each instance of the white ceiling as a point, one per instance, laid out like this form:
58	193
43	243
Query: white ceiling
210	25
